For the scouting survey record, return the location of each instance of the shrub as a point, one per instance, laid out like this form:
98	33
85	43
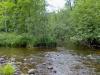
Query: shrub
15	40
9	39
26	40
8	69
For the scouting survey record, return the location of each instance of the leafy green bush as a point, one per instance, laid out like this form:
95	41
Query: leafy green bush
9	39
8	69
85	22
15	40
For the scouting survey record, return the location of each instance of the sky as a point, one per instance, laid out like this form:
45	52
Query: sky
55	5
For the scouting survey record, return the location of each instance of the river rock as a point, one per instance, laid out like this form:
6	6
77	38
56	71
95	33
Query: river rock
17	73
19	63
2	60
32	71
50	67
13	60
25	60
54	71
44	63
31	59
89	56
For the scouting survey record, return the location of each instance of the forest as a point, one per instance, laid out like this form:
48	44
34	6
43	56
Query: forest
27	23
36	41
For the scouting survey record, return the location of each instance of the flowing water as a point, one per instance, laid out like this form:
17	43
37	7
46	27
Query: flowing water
59	61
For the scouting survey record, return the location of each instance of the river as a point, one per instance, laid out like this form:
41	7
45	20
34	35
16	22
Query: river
57	61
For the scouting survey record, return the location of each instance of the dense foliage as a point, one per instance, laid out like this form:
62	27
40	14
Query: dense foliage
26	23
85	20
18	17
21	15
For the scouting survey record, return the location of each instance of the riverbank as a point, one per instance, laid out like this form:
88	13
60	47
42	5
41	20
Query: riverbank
26	40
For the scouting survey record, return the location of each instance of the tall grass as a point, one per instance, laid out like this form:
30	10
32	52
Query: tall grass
46	41
15	40
26	40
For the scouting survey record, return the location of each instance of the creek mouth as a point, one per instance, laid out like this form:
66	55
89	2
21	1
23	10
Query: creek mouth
60	61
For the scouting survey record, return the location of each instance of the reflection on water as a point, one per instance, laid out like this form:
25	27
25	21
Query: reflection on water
60	61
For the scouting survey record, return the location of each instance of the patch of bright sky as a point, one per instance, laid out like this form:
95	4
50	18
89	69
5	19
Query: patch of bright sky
55	5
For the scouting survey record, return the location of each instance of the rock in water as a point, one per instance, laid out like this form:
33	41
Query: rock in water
54	71
13	60
50	67
2	60
32	71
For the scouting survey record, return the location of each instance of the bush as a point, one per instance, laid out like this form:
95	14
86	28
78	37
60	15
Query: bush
85	22
8	69
26	40
15	40
9	39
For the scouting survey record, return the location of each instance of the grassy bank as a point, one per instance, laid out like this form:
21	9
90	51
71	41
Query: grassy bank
25	40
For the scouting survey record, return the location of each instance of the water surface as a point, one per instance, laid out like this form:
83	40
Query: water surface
59	61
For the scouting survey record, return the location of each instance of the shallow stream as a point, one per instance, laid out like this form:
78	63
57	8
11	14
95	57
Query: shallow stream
59	61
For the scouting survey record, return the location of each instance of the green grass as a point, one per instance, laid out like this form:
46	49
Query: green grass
15	40
25	40
46	41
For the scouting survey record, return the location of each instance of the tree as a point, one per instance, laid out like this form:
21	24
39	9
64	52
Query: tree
6	9
85	20
22	16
